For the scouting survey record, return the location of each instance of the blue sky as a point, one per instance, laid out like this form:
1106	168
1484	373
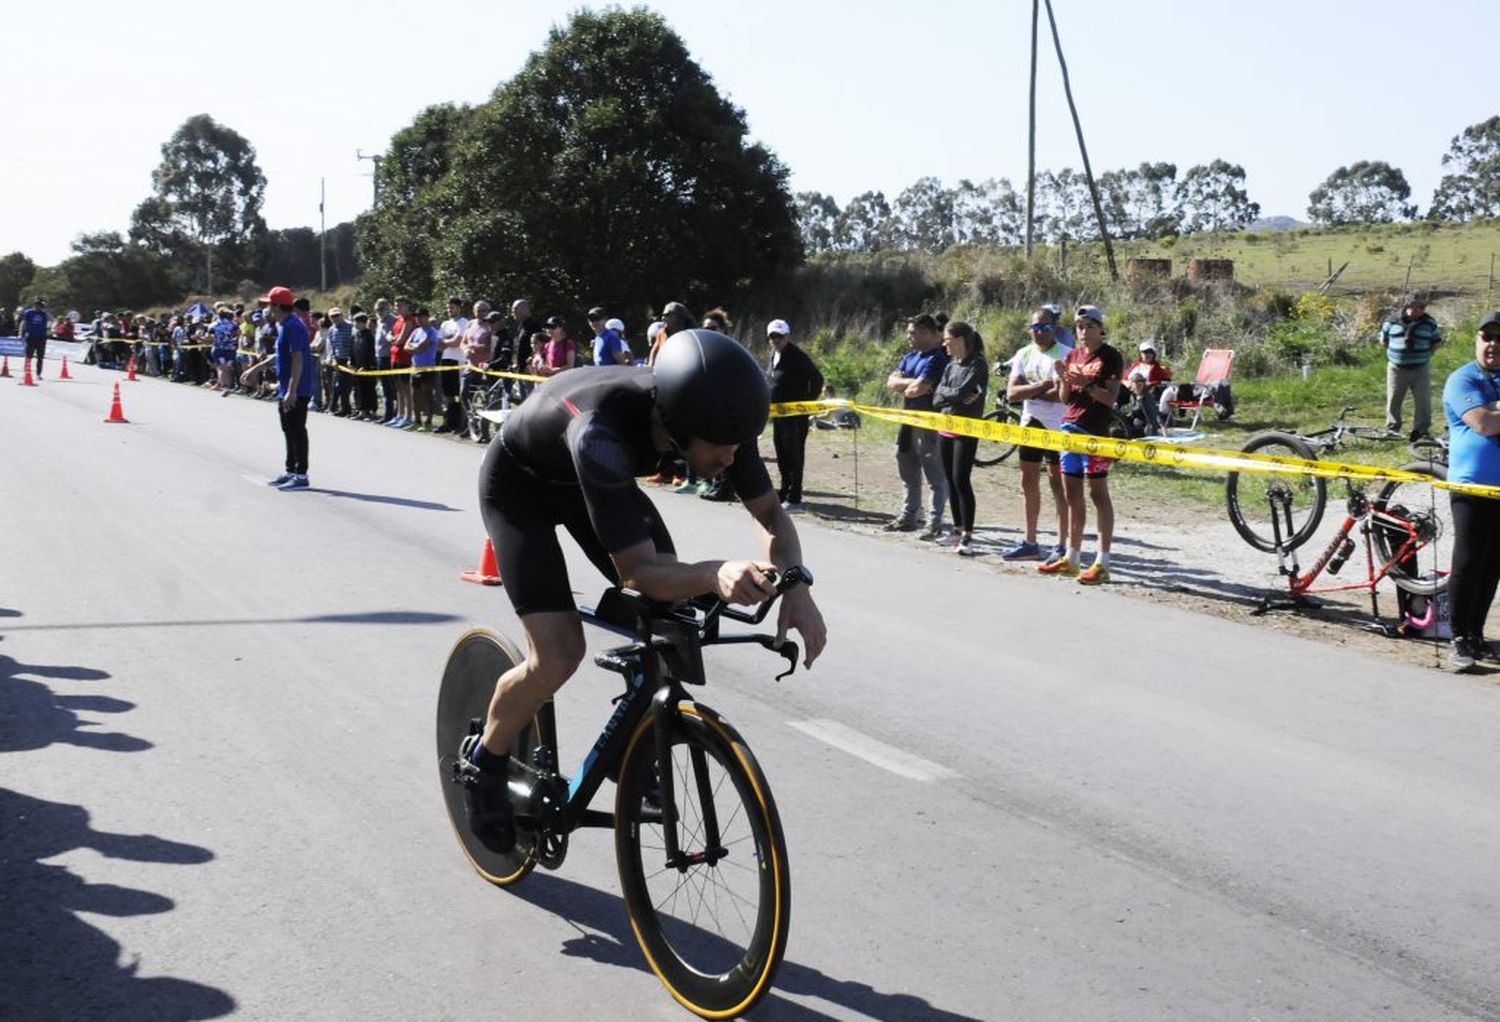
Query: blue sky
851	96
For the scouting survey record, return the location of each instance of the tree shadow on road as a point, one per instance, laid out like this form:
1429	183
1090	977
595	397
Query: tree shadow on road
367	617
605	937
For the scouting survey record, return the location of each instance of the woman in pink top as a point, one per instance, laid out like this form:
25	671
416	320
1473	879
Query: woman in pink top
561	352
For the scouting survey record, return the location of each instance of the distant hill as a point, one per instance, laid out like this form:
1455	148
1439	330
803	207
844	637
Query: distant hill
1276	223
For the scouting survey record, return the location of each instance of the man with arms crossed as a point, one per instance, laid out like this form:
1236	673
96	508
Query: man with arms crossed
1033	380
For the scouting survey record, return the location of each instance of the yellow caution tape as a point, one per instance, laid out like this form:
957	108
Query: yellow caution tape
1140	451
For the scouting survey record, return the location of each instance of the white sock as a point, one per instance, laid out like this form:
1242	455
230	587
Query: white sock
1075	554
1102	559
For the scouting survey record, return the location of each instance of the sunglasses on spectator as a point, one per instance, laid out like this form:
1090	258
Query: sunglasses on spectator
1490	336
1041	328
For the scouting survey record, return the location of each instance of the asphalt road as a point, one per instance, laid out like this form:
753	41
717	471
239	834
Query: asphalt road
1005	797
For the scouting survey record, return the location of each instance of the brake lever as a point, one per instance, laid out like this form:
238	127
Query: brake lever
789	650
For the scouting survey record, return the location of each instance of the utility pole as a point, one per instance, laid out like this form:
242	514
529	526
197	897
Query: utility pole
1031	138
374	159
322	234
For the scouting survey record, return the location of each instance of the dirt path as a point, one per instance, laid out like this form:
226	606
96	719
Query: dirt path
1178	554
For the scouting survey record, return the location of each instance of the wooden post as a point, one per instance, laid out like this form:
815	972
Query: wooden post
1492	273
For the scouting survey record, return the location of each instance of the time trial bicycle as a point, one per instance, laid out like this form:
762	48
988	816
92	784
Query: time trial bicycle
698	840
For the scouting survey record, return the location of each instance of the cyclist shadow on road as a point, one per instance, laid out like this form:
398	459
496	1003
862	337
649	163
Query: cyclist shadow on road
57	965
606	937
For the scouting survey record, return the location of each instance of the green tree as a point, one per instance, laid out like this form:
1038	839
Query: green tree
1472	188
16	271
204	212
864	225
608	171
395	241
104	272
1367	192
922	216
1213	198
1149	195
816	215
988	212
293	254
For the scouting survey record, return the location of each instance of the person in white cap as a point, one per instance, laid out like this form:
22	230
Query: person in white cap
1145	379
793	377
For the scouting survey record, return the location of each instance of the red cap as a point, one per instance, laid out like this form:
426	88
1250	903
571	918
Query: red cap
278	296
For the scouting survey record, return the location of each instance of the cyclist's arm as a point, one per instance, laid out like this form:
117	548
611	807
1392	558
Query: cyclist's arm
784	549
662	577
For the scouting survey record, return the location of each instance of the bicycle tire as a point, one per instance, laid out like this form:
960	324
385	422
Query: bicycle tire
1426	572
487	399
478	658
993	452
1248	500
713	975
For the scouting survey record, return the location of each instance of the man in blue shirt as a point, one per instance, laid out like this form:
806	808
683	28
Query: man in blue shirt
296	378
1408	341
34	332
1471	404
914	379
609	347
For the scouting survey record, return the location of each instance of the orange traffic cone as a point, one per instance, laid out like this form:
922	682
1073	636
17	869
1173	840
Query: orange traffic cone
488	572
5	366
65	375
26	380
116	413
130	370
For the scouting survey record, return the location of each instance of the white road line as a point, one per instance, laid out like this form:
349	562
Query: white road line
872	750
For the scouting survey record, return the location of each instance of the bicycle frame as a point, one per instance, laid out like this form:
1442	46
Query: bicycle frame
666	655
1360	513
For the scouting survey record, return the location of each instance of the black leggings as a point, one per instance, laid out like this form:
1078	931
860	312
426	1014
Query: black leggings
294	425
1476	563
957	456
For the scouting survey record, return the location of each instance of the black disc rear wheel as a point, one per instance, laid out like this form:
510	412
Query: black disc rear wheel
477	661
713	927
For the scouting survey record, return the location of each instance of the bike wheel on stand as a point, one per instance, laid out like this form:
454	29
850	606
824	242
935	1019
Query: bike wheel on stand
477	660
993	452
1425	571
1251	496
713	928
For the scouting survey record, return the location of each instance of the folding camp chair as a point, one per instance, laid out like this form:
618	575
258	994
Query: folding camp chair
1213	368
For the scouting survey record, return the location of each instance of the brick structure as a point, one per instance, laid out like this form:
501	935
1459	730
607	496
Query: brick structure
1210	269
1148	269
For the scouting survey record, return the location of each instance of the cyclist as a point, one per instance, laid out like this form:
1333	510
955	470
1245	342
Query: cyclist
571	456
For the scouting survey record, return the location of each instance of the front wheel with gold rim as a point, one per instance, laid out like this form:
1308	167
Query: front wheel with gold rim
713	925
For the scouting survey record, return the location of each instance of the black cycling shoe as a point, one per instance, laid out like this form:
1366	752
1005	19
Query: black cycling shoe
492	818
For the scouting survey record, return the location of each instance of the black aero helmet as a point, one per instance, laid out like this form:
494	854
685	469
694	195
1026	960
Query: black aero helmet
708	386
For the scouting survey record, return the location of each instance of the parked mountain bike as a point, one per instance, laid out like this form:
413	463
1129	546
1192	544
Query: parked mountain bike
1405	528
701	855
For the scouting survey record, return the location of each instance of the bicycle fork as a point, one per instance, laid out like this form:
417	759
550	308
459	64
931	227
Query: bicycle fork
663	722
